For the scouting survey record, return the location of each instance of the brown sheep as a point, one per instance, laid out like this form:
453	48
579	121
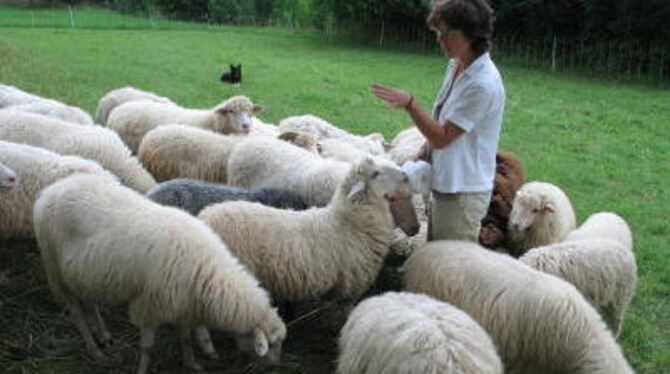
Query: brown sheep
508	179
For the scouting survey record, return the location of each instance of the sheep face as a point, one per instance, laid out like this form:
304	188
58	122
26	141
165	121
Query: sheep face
264	343
8	178
233	116
528	209
388	182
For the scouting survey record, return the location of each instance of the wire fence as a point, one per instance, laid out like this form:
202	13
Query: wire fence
608	58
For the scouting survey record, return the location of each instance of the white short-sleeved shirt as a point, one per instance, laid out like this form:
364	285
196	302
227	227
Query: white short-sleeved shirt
475	104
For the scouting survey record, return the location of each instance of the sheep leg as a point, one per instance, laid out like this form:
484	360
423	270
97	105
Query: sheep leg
187	348
77	313
205	342
147	339
98	324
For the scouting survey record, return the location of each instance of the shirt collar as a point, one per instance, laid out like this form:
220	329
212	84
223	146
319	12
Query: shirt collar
477	64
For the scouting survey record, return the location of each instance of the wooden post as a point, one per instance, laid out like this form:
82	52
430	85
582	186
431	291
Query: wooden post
381	35
32	19
554	47
69	7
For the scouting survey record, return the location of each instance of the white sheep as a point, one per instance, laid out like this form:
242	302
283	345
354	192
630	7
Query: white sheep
263	162
337	249
8	178
178	151
602	270
258	127
12	97
36	168
92	142
116	97
102	243
132	120
538	322
604	225
322	129
406	145
405	333
541	214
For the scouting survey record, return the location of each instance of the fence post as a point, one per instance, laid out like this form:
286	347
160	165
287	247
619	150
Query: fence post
553	55
69	8
662	67
381	35
32	19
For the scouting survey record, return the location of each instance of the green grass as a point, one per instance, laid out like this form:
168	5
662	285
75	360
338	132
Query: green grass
605	143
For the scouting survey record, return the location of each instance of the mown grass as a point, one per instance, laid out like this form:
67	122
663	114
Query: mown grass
605	143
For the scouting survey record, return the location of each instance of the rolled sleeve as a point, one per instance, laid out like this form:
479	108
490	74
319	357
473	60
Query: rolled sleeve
469	107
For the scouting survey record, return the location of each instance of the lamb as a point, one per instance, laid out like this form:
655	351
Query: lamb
37	168
604	225
337	249
102	243
538	322
178	151
262	162
114	98
509	178
321	129
12	97
603	270
92	142
132	120
194	195
541	214
8	178
405	333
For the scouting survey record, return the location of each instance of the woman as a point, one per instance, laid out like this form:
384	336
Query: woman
462	133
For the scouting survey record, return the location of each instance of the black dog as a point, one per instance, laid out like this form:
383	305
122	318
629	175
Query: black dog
234	76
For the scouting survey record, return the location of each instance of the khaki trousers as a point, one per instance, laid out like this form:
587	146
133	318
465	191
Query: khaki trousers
457	216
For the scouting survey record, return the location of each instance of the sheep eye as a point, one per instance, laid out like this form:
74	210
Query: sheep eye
374	174
535	210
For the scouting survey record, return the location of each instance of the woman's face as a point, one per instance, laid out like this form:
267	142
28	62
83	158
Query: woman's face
453	41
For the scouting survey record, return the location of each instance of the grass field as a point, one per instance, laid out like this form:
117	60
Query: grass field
605	143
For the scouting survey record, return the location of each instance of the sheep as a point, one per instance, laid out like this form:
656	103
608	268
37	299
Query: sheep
321	129
405	333
603	270
178	151
194	195
105	244
337	249
114	98
37	169
92	142
8	178
262	162
509	177
12	97
604	225
258	127
132	120
406	145
541	214
538	322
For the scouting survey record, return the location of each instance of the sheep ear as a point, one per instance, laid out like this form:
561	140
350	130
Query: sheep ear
261	345
365	166
387	146
549	208
357	188
257	108
288	136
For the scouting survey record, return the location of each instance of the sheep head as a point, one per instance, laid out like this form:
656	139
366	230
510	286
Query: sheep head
264	342
233	116
391	184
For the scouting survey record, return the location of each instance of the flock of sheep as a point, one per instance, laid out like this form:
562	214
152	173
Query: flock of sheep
206	218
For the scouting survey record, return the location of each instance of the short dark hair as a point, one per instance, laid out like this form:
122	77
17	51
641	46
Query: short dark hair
473	17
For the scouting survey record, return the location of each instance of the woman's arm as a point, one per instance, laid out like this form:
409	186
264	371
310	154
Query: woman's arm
439	136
